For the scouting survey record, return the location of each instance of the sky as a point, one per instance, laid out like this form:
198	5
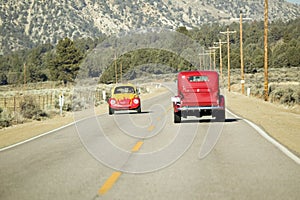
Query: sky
294	1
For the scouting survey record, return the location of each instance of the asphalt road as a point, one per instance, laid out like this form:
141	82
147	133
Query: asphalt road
147	156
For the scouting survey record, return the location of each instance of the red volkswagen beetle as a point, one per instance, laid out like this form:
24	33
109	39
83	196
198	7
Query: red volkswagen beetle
124	97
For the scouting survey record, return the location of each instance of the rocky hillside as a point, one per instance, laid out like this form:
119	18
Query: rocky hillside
27	23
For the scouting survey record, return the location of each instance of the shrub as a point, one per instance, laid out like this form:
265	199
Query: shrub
296	96
285	95
30	109
288	98
5	119
278	94
5	122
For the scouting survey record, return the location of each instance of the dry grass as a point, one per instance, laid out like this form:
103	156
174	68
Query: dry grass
283	87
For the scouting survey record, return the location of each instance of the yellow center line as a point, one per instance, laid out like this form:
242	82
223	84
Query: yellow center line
109	183
150	128
168	110
137	146
115	175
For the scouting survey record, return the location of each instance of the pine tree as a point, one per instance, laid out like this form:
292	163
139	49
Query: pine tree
67	61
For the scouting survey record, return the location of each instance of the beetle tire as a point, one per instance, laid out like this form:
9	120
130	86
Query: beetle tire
139	109
110	111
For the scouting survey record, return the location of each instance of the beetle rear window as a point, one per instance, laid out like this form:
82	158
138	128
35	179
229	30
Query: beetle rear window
198	78
123	89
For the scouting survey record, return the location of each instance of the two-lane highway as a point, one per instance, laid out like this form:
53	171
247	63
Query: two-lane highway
147	156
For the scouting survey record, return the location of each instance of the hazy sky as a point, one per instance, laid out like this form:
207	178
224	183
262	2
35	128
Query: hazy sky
294	1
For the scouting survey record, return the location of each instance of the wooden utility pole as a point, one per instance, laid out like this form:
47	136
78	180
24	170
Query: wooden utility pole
202	55
266	91
210	52
221	61
24	73
199	62
228	54
116	69
214	53
209	60
25	76
242	55
121	72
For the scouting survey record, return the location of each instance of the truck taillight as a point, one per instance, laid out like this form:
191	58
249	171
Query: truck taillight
175	99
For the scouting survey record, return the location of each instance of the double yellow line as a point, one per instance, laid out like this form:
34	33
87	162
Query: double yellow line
109	183
115	175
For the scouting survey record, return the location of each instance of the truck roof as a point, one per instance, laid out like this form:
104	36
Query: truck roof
197	72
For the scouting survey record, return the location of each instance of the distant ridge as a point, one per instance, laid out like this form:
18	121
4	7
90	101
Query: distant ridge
25	24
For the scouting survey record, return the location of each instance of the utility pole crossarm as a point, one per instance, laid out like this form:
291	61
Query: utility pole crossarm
228	32
220	42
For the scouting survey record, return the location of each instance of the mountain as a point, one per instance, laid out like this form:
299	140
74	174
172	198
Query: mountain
25	24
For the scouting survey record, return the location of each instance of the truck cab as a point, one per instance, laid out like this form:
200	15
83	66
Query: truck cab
198	94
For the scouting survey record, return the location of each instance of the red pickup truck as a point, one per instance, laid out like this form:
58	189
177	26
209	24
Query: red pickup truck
198	95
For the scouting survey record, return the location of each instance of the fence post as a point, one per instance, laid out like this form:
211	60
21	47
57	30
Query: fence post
47	101
43	102
14	103
248	91
51	100
61	103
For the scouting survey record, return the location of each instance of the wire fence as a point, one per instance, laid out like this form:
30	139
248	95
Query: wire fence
50	100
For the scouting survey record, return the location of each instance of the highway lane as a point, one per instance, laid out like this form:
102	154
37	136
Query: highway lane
166	165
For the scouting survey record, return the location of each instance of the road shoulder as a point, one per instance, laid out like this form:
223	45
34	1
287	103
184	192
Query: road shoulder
279	122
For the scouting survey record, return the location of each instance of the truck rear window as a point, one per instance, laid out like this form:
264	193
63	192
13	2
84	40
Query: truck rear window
198	78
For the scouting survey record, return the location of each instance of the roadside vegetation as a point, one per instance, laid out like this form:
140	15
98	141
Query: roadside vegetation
37	103
43	62
284	85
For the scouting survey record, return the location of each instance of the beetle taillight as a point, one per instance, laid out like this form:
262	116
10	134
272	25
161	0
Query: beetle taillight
136	101
112	101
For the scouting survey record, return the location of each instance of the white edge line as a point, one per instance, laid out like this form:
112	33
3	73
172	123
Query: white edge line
282	148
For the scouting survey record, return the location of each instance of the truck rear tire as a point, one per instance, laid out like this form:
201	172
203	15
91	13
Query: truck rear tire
177	117
220	115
